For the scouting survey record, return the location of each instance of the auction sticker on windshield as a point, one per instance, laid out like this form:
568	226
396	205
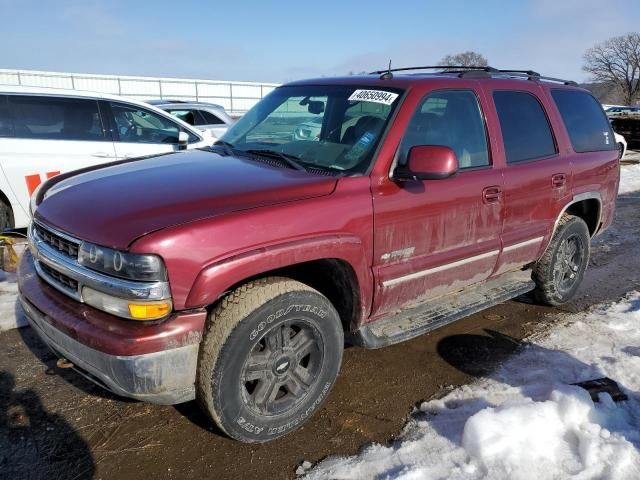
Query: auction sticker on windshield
375	96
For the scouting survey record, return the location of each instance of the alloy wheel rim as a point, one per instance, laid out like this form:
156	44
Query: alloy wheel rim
282	368
568	262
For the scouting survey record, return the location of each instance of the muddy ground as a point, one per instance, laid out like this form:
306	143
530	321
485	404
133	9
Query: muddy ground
54	424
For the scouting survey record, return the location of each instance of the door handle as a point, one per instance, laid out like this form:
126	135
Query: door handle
558	180
102	155
491	194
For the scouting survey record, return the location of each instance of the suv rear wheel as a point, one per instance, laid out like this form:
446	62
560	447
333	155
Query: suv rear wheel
271	353
559	272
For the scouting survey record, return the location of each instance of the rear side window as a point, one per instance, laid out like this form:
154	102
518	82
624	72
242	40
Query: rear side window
192	117
54	118
210	118
525	129
6	124
588	127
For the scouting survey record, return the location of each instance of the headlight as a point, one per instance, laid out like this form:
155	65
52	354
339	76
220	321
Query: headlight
132	309
131	266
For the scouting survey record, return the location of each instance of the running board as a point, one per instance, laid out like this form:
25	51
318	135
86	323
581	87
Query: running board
415	321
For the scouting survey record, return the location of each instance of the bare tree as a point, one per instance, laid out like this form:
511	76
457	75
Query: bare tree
617	62
465	59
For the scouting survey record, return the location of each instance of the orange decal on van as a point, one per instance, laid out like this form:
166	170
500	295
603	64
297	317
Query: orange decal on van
34	180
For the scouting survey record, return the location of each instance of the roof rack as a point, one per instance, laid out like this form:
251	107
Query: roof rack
431	67
476	72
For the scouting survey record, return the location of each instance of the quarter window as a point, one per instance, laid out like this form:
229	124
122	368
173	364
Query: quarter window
138	125
6	124
525	129
586	123
53	118
453	119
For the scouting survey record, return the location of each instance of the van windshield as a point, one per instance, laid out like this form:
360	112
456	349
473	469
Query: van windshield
331	127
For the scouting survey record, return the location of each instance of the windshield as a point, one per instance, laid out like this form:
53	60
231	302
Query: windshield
334	127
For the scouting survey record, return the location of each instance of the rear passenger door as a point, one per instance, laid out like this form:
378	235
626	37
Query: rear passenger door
536	177
50	135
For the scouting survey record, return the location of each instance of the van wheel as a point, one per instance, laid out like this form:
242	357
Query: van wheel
559	272
6	217
270	355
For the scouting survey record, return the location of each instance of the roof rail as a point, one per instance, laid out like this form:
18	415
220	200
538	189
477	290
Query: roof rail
528	74
432	67
477	72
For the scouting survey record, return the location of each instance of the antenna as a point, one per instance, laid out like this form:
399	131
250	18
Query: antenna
387	75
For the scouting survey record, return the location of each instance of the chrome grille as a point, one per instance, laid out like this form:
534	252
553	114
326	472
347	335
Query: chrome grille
61	278
61	244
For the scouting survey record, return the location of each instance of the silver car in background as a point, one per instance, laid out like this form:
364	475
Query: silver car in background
207	117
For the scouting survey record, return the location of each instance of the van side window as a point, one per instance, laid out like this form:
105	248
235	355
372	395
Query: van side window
138	125
586	123
449	118
6	124
525	129
53	118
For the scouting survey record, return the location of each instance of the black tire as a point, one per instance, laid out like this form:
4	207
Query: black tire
6	217
560	271
270	355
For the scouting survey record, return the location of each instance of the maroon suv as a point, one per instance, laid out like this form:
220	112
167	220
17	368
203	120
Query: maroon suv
367	209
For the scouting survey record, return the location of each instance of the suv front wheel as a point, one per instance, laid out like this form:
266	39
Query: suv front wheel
271	353
559	272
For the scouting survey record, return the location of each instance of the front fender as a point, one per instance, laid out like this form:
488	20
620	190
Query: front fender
218	278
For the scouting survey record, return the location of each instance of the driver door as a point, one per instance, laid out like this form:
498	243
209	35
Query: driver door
139	132
433	237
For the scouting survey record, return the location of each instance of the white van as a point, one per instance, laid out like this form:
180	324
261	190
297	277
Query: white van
46	131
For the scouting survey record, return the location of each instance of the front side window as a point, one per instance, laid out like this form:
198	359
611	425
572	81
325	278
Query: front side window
586	123
138	125
55	118
449	118
333	127
6	123
525	129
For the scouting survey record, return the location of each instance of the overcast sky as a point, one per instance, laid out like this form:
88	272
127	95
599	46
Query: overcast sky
287	40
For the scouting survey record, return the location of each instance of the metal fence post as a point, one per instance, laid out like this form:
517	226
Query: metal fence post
119	87
19	78
160	85
197	99
231	97
73	83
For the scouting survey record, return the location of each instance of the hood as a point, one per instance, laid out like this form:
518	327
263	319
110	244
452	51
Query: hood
114	205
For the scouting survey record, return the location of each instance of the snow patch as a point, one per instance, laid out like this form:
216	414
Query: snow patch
629	179
524	420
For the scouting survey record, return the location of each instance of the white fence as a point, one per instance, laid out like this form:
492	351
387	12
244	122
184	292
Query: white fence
236	97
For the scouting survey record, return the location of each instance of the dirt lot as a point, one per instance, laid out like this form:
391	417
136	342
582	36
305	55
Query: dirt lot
54	424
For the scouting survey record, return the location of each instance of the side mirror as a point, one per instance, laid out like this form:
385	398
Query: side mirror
183	140
428	162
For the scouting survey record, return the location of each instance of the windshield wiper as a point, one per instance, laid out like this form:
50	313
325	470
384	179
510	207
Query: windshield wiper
287	158
226	146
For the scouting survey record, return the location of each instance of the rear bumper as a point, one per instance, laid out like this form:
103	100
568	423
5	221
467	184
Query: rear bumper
153	363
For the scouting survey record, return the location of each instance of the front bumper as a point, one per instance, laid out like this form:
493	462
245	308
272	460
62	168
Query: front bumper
153	363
